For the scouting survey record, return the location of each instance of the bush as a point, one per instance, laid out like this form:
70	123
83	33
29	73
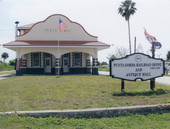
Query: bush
12	62
5	67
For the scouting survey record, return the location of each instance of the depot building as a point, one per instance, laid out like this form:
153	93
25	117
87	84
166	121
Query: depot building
55	46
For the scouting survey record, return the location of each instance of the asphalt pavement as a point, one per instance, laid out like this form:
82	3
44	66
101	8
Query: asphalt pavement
4	76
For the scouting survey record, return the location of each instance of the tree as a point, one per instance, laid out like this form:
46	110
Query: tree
104	63
126	9
111	56
4	56
12	62
168	56
119	52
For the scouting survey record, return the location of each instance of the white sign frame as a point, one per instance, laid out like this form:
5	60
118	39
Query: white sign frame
137	66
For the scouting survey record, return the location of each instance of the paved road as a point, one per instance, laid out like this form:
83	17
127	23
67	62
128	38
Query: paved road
4	76
163	80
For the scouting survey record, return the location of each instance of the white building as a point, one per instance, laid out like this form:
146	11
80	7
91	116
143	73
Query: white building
55	46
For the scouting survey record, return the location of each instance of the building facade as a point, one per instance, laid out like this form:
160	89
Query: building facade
55	46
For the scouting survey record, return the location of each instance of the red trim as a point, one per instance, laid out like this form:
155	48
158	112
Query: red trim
62	16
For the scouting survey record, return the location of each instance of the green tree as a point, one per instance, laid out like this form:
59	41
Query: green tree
168	56
12	62
104	63
4	56
126	9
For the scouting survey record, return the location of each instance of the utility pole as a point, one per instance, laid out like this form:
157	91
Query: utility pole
135	45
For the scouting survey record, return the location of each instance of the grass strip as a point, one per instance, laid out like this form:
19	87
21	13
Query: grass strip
151	121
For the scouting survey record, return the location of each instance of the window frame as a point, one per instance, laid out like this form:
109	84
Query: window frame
36	59
77	59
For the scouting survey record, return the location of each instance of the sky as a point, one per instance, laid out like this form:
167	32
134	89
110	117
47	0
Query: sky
98	17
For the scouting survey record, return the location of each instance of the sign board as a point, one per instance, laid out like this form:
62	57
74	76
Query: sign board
137	66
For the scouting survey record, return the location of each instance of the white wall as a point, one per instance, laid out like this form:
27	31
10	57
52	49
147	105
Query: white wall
49	30
57	52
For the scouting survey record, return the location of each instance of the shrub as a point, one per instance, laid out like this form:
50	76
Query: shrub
5	67
12	62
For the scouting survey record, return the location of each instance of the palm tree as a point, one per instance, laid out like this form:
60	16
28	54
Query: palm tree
126	9
4	56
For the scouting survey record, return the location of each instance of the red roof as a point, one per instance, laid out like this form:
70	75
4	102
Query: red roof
56	43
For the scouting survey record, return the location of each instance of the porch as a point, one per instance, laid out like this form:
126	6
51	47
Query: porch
47	63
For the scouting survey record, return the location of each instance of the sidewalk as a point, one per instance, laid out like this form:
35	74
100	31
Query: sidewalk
95	112
103	73
6	71
163	80
4	76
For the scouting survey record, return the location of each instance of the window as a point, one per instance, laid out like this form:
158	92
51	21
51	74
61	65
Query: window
77	59
36	59
47	62
47	55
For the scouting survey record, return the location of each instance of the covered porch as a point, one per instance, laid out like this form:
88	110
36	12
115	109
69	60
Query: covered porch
56	61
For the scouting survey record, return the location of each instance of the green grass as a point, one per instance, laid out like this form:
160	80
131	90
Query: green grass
103	68
5	67
151	121
167	75
6	72
75	92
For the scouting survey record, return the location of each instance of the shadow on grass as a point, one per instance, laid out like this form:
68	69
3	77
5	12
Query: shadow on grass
145	93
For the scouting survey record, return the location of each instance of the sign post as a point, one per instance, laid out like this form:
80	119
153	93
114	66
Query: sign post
122	85
152	81
137	66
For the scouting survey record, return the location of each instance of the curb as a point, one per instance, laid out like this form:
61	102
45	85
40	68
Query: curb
96	112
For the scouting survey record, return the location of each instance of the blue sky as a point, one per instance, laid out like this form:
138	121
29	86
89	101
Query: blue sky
98	17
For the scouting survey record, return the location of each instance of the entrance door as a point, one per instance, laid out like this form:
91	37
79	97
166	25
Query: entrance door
47	65
65	64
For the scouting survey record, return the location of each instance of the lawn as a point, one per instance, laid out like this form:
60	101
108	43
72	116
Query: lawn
5	67
75	92
6	72
103	68
151	121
